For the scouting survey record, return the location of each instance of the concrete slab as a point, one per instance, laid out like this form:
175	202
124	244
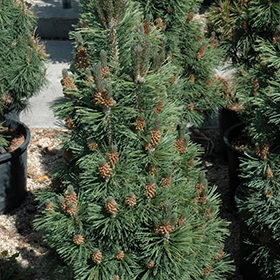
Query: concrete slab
39	114
53	20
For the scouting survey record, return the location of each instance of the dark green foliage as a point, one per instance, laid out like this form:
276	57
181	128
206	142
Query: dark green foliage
131	201
21	59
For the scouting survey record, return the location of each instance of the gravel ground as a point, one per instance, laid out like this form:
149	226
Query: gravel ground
16	230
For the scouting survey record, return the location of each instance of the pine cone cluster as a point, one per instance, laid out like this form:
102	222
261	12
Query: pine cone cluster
130	199
150	190
191	107
191	78
96	256
256	87
208	83
113	158
201	52
181	221
70	123
139	124
158	107
220	254
111	206
169	10
155	134
105	171
269	194
166	182
104	71
160	24
78	239
150	264
180	145
81	58
207	270
269	172
164	230
120	255
153	170
101	100
261	151
146	28
49	207
92	145
190	16
68	83
70	204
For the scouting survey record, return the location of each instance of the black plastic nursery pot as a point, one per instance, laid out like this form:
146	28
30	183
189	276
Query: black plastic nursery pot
227	119
13	170
233	158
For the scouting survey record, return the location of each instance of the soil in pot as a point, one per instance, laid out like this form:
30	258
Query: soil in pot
13	167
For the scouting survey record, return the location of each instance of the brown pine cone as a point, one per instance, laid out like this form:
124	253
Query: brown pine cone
113	158
105	171
169	10
220	254
199	187
150	264
70	204
111	206
120	255
191	107
158	107
70	123
81	58
180	145
92	145
68	82
190	16
166	182
139	124
130	199
213	41
191	78
78	239
153	170
261	151
155	135
208	83
104	71
269	194
150	190
101	100
181	221
160	24
96	256
207	270
268	172
201	52
49	207
256	87
146	28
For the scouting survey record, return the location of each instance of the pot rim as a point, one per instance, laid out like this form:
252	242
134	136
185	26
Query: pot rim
23	146
226	141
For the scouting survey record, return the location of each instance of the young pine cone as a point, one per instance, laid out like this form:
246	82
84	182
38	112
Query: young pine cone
269	172
78	239
120	255
111	206
70	204
101	100
113	158
166	182
150	264
180	145
150	190
155	135
164	230
96	256
49	207
130	199
81	59
139	124
105	171
201	52
92	145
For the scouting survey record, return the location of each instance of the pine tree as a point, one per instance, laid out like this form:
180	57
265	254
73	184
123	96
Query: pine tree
251	31
21	58
132	201
195	55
